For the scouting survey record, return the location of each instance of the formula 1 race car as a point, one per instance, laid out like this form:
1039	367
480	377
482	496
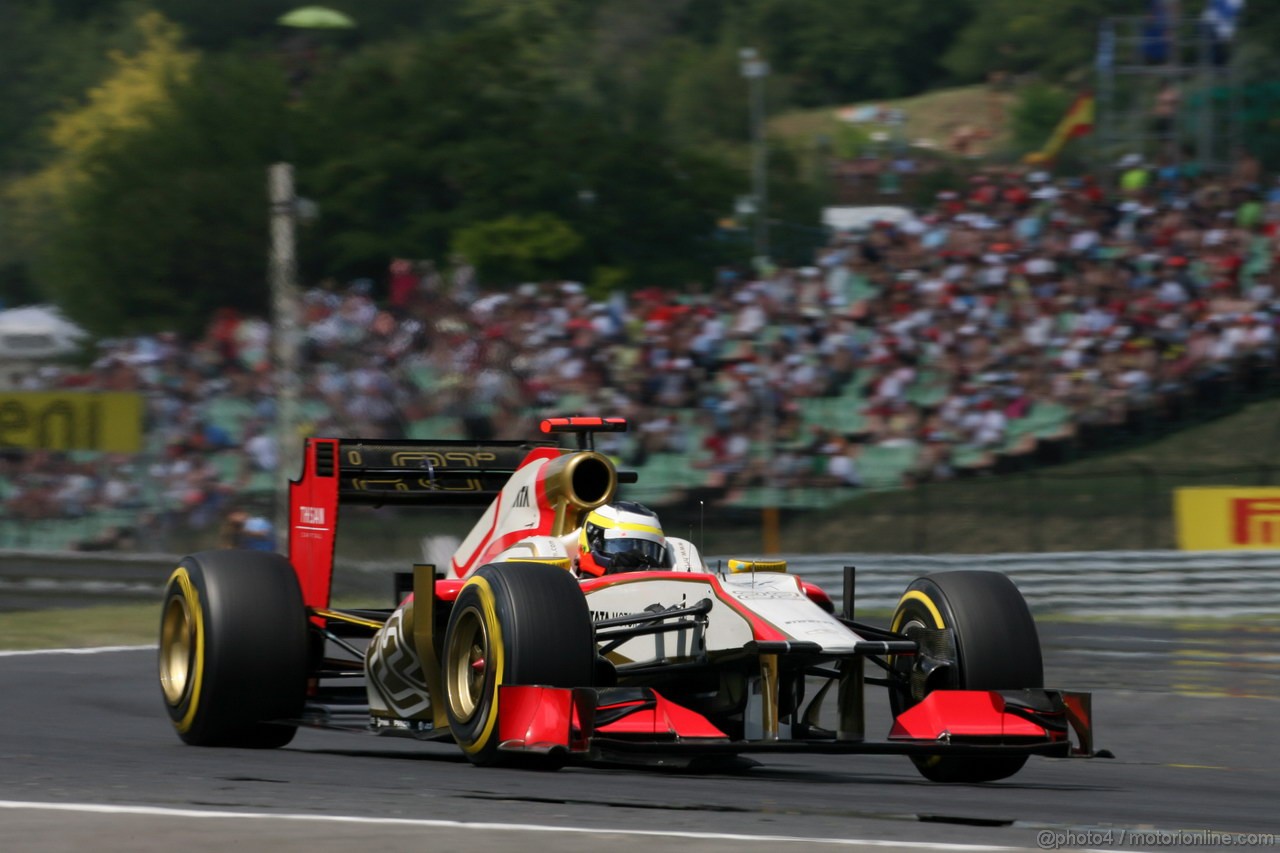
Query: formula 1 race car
518	655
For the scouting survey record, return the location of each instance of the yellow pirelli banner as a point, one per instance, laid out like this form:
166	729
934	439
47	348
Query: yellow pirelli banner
1221	518
71	420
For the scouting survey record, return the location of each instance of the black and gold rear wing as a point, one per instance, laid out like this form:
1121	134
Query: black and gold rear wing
415	473
346	471
404	472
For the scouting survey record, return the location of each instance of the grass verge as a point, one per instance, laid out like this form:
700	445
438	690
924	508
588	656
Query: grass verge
109	625
85	627
933	116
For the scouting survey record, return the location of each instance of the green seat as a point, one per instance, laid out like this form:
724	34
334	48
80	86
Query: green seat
228	464
422	374
928	394
569	406
861	289
230	414
883	467
817	411
314	410
439	426
760	497
260	483
1048	419
847	417
969	456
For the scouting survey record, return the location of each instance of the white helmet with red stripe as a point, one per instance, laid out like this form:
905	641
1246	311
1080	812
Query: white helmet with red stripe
623	536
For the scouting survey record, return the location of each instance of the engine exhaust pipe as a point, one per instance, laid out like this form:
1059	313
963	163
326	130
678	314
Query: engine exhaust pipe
577	483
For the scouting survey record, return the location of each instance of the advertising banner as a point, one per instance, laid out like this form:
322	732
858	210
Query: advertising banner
1227	518
110	421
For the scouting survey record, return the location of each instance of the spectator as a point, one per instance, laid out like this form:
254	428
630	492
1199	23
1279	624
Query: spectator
1009	296
258	534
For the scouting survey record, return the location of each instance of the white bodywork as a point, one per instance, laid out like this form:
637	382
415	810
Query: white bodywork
777	599
684	555
767	607
774	599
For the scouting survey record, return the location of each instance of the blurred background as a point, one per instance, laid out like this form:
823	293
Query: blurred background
920	278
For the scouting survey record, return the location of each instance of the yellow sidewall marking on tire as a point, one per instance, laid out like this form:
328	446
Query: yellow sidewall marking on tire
917	595
489	607
197	663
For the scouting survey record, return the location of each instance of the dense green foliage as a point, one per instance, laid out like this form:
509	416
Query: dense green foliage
1037	112
171	220
1053	38
597	139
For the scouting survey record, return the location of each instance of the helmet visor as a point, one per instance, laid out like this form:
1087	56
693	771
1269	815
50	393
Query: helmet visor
653	553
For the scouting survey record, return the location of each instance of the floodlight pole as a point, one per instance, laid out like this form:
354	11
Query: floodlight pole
283	273
755	70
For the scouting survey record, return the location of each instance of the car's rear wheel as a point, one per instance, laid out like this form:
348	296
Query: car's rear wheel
978	626
233	649
512	623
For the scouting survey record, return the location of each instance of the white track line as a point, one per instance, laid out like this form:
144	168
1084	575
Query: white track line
94	650
152	811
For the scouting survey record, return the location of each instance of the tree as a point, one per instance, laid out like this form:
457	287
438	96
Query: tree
170	219
1051	38
45	61
513	122
856	49
411	147
518	247
132	94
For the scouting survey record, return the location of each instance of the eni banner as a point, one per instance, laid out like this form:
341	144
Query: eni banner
1228	519
71	420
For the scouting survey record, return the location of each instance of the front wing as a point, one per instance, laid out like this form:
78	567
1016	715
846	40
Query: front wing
639	723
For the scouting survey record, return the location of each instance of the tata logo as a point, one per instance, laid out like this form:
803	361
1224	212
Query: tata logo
311	515
1256	521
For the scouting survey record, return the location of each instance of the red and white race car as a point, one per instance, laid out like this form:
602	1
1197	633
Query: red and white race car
521	652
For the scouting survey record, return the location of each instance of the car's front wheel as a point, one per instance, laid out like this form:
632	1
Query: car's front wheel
978	626
512	623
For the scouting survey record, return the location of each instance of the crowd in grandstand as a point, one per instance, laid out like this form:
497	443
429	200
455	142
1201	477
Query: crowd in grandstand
942	333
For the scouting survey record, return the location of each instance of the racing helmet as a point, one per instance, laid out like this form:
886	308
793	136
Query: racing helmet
623	536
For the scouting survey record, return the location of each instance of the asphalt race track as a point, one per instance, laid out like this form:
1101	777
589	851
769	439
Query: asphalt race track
1188	710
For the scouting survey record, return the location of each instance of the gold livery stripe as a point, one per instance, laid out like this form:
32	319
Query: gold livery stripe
345	617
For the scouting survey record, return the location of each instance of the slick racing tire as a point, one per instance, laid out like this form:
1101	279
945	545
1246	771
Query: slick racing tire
512	623
993	645
233	649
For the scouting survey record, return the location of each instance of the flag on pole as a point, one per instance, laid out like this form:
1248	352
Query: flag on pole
1156	32
1077	122
1222	16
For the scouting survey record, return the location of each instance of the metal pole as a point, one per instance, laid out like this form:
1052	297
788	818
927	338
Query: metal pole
758	166
1106	61
283	272
756	70
1205	152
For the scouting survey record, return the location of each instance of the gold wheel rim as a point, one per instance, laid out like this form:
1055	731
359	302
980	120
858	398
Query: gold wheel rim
468	667
177	645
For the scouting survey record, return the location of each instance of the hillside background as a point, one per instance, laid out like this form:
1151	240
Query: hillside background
599	140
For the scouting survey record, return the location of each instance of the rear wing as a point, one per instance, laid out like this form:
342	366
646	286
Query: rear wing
417	473
338	471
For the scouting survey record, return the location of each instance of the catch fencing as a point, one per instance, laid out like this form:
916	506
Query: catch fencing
1123	584
1148	584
